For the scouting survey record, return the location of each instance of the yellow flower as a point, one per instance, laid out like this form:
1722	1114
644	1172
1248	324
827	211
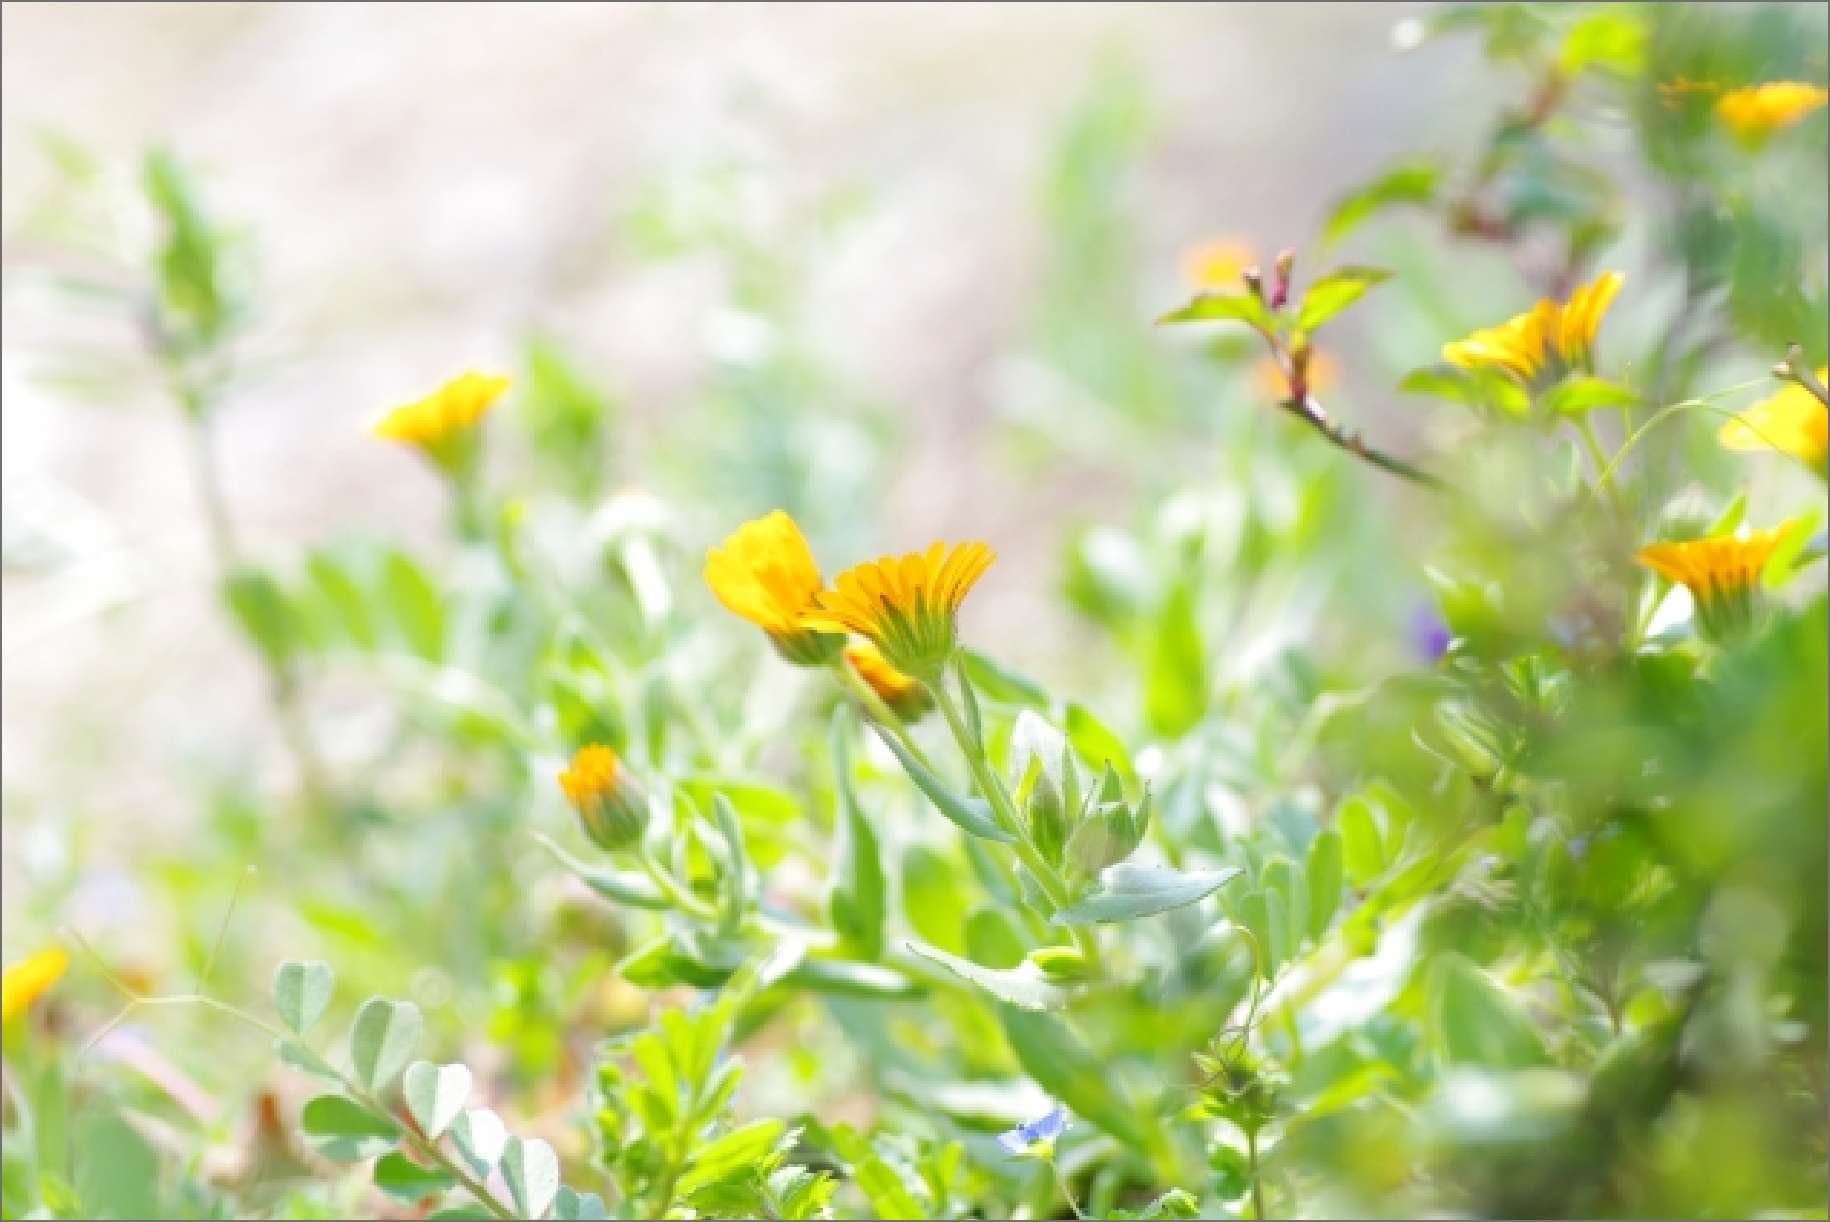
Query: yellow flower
441	420
611	806
1551	336
766	574
1793	421
1215	265
905	604
27	980
904	694
1721	573
1757	111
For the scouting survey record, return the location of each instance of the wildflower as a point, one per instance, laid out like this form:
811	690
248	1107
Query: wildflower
1037	1138
610	804
1793	421
904	694
1324	374
1757	111
1217	265
907	605
29	979
441	424
1551	336
1430	635
765	573
1720	573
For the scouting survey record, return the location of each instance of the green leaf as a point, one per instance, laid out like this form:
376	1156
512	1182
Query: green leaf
1222	307
620	886
734	872
572	1206
531	1170
1054	1056
414	600
480	1137
857	900
1326	876
1096	742
1127	892
883	1187
116	1172
1175	683
999	683
301	990
261	607
1288	891
1334	292
970	814
382	1040
302	1058
1476	1021
402	1178
435	1094
1575	396
344	1130
1361	851
1411	182
741	1147
1023	986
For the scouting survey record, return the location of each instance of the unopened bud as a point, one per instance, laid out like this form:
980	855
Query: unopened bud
611	805
1254	281
1280	283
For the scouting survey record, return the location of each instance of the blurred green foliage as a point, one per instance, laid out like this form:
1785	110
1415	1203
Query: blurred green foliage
1392	846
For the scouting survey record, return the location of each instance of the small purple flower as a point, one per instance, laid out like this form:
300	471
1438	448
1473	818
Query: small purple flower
1430	636
1024	1137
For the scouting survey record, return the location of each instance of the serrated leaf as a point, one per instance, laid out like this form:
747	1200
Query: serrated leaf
402	1178
301	991
969	814
435	1094
382	1040
531	1170
1127	892
1222	307
1334	292
480	1137
344	1130
1023	986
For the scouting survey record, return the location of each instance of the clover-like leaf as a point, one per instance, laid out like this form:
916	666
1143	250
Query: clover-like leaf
531	1170
382	1039
480	1138
301	991
435	1094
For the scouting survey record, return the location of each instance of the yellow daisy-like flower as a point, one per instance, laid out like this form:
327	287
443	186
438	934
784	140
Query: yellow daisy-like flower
765	573
1550	337
1757	111
905	695
1215	265
1722	574
1794	421
611	805
441	420
907	605
29	979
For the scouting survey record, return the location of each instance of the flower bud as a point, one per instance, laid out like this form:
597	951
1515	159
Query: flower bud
611	805
1254	282
1280	283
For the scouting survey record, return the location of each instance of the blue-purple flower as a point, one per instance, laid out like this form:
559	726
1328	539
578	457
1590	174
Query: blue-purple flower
1025	1138
1430	636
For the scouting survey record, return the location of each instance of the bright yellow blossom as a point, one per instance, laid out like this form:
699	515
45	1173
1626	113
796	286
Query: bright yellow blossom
904	694
765	573
611	806
28	980
907	605
1214	266
1551	336
1757	111
439	421
1721	573
1794	421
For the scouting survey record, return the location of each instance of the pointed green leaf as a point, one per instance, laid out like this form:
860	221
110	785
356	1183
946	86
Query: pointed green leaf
970	814
1334	292
1413	182
1325	880
1023	986
857	898
1576	396
1127	892
1222	307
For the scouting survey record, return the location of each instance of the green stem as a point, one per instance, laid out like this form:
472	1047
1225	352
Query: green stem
1005	811
875	708
676	891
1251	1166
1604	470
